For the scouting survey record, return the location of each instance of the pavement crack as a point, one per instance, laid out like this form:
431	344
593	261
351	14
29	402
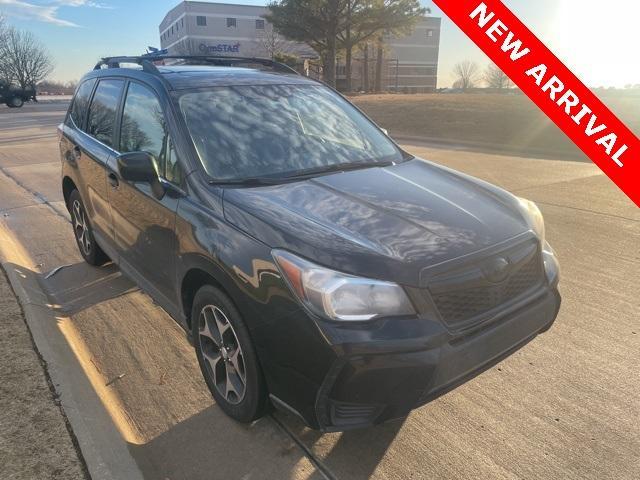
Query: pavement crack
38	196
7	210
578	209
323	469
586	210
534	187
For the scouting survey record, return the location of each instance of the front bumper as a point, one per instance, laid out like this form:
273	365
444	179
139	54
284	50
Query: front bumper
342	375
379	381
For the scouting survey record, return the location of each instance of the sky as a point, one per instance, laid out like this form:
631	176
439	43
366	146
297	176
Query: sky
598	40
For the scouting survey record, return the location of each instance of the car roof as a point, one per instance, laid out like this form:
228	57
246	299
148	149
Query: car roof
181	77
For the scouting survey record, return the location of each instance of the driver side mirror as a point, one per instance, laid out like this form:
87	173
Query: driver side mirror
141	167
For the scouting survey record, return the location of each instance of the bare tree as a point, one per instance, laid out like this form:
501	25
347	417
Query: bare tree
27	62
466	73
272	43
57	88
5	75
496	78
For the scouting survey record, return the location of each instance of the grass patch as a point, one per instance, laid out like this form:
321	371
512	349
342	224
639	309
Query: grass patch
505	122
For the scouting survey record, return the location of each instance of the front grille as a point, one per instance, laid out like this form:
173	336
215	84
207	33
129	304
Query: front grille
466	294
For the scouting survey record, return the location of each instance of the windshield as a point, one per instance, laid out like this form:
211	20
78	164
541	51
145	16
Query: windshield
279	130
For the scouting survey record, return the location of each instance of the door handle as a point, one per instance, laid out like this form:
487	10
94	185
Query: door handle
113	180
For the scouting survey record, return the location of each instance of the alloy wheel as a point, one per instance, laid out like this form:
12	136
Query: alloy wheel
222	353
80	227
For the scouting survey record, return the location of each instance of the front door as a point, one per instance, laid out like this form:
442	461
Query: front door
143	225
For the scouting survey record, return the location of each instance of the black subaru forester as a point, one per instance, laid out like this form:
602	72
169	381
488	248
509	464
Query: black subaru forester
317	266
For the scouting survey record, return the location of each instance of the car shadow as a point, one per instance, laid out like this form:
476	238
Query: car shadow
210	445
353	454
73	288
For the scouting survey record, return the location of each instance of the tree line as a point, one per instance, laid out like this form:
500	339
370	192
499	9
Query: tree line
23	59
468	75
333	27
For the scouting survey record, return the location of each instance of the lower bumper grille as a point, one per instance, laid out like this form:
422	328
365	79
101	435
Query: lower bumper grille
346	414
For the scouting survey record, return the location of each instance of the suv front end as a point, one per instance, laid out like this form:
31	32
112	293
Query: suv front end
466	315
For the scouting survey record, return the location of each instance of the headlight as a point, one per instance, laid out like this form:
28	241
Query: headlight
532	213
339	296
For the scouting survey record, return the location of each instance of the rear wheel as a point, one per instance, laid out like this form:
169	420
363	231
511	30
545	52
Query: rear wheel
226	356
89	249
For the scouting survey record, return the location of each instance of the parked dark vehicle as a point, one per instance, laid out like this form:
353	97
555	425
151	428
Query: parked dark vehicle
317	266
14	97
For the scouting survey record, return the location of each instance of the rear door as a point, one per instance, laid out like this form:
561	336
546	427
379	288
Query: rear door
143	225
87	145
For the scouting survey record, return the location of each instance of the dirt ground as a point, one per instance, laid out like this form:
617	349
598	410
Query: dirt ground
504	122
34	440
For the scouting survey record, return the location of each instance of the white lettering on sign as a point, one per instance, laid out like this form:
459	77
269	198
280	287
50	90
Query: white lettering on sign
499	28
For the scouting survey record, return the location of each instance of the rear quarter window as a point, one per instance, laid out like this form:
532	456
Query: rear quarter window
80	104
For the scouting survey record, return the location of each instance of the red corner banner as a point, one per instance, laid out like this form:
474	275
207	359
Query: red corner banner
552	86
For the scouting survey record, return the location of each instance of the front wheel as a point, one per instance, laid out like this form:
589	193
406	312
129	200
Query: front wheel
15	102
226	356
89	249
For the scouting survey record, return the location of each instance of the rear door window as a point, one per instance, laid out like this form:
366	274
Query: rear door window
102	113
81	103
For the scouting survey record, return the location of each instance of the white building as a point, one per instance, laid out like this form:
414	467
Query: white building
230	29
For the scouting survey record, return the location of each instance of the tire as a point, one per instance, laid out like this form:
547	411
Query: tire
83	232
15	102
246	400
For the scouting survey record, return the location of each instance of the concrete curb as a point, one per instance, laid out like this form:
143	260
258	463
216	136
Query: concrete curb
104	450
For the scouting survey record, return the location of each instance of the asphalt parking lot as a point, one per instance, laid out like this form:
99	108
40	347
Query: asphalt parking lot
566	406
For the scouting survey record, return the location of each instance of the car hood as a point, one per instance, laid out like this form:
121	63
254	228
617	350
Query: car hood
387	223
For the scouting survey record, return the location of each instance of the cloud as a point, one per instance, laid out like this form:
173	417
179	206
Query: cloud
81	3
47	12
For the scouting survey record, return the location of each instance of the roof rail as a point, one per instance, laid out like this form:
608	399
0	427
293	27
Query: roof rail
146	62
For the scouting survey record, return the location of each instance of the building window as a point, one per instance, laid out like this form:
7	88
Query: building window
201	21
171	29
231	22
429	33
259	24
182	23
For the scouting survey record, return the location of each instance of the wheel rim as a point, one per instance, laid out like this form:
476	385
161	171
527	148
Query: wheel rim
222	354
80	227
16	102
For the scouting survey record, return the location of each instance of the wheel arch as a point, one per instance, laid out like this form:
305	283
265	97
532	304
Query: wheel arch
68	186
198	273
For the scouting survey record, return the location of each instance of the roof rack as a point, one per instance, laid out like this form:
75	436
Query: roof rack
147	62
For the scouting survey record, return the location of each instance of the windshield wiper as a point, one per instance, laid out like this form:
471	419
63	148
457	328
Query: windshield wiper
339	167
249	181
260	181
